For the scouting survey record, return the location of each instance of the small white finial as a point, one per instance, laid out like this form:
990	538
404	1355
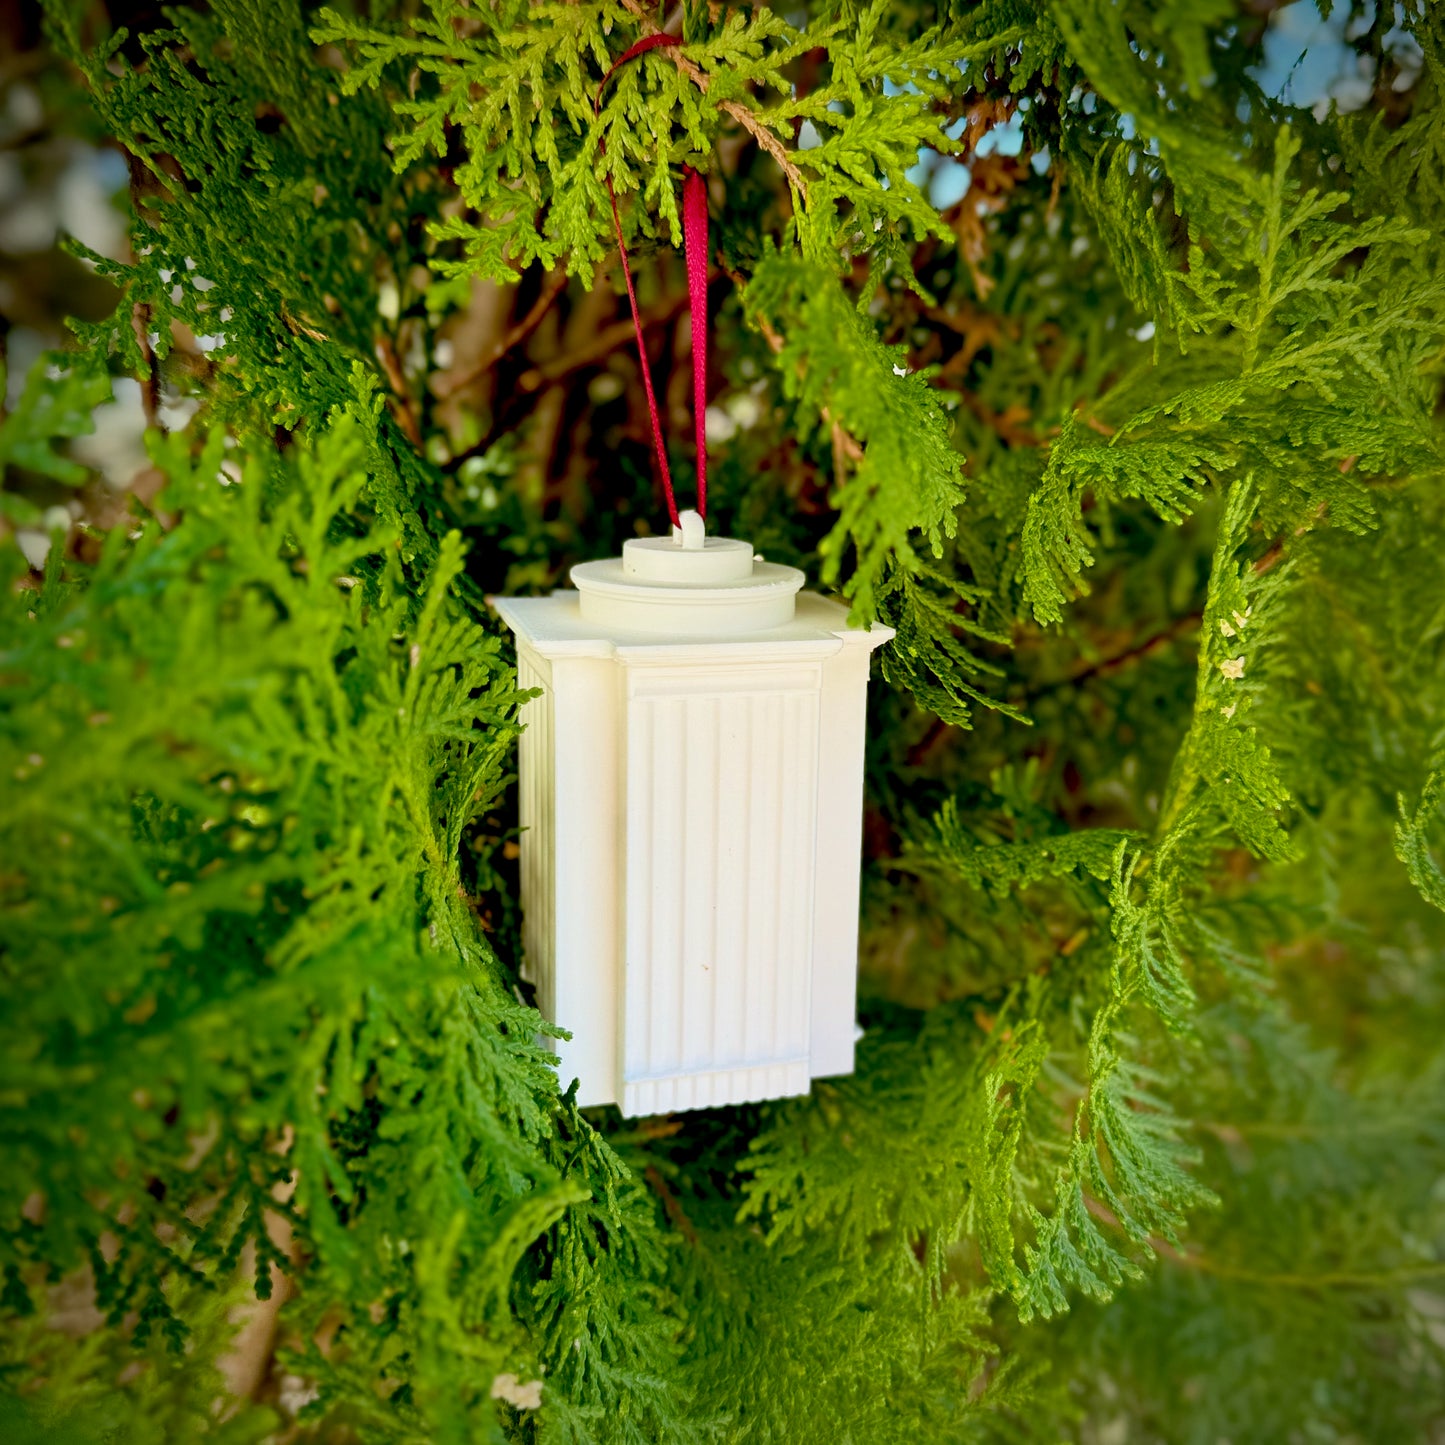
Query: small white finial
690	531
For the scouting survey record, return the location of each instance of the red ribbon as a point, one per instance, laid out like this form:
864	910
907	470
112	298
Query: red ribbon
694	232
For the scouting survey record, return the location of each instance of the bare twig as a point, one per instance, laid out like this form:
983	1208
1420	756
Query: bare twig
402	404
840	454
606	340
670	1203
844	443
1116	662
140	321
1275	552
555	284
548	374
937	730
1326	1279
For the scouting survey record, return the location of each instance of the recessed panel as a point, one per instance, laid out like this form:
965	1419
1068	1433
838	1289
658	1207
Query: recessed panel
721	783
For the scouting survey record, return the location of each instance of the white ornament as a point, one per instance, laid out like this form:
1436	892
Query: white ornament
692	814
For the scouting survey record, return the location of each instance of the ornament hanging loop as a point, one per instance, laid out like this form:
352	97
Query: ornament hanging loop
695	243
689	531
694	233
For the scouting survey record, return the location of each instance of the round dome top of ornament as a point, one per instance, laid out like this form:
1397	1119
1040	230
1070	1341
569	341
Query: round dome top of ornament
687	585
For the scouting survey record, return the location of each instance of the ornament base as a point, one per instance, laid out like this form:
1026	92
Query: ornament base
692	816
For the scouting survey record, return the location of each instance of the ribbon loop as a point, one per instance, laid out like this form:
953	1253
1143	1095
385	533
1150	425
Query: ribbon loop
695	243
694	236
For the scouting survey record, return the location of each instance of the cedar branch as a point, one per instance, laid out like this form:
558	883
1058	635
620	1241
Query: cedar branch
739	112
844	443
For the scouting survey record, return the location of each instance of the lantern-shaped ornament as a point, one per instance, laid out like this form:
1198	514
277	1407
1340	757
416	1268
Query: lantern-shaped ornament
692	794
691	800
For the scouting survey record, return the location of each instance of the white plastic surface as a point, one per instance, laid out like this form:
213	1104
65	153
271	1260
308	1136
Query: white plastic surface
686	585
691	532
692	815
667	561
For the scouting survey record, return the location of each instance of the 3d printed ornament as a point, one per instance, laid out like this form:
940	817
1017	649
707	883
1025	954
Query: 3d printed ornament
692	795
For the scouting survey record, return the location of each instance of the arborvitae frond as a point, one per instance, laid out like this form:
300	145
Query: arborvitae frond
285	339
901	494
1260	312
334	739
1092	853
908	481
1137	439
521	91
56	405
1412	839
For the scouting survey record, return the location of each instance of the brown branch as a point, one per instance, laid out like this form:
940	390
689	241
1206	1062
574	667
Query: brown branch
844	443
840	454
550	373
1275	552
975	327
403	407
1116	662
739	112
1276	549
606	340
1327	1279
140	323
843	440
919	752
556	283
670	1203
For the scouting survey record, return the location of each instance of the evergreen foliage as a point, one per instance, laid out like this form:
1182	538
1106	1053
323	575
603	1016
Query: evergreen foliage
1136	445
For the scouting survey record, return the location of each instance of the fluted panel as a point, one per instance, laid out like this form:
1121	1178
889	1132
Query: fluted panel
721	808
713	1088
537	809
